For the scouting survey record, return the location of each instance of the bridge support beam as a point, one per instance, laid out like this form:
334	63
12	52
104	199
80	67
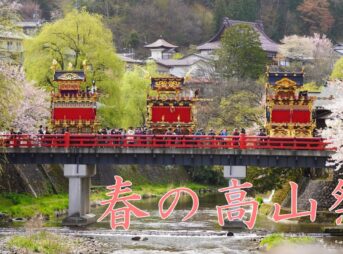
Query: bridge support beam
235	172
79	192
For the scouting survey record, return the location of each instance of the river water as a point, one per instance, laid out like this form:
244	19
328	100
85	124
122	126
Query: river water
200	234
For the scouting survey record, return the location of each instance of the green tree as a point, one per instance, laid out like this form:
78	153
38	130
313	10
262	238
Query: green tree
134	89
246	10
336	9
267	179
241	109
337	72
179	23
132	40
78	37
241	55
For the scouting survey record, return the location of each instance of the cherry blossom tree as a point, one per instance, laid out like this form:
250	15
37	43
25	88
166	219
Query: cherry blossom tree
334	130
8	96
306	47
23	106
314	52
33	109
8	14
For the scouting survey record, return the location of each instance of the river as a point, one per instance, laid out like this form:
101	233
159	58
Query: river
201	234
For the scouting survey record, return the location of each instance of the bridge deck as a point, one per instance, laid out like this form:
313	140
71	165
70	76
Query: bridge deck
166	150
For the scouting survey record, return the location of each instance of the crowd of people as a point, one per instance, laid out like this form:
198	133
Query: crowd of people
176	131
147	131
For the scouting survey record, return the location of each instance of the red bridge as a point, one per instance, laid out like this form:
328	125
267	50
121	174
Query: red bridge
162	141
164	149
76	151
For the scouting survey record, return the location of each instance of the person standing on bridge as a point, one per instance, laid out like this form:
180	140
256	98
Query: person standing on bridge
223	132
211	133
199	132
242	140
169	131
130	134
41	131
261	133
178	130
235	133
47	132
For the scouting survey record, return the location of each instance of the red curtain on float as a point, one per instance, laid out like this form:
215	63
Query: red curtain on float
74	113
171	114
281	116
288	116
301	116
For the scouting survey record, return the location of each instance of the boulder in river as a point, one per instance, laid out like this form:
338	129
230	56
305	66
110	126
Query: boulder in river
136	238
230	234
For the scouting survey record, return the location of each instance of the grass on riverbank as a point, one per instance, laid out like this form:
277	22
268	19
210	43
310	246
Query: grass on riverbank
276	240
23	205
42	242
26	206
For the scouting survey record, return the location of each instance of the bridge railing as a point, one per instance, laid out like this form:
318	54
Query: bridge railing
162	141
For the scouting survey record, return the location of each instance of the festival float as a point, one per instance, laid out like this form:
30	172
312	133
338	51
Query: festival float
168	109
288	108
73	106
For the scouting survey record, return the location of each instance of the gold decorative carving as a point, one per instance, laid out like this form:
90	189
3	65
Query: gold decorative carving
69	76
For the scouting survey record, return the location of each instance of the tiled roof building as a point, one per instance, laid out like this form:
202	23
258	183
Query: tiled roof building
268	45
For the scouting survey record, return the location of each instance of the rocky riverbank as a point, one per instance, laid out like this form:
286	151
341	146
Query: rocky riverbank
157	242
45	242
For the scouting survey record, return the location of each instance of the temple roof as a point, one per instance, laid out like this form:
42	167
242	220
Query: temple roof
161	43
185	61
266	43
177	62
130	60
29	23
13	35
297	77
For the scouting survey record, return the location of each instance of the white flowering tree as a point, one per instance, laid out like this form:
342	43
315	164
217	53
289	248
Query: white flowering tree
23	106
33	109
316	52
8	14
334	130
306	47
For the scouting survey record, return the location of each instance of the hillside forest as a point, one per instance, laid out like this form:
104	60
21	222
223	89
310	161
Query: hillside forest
190	22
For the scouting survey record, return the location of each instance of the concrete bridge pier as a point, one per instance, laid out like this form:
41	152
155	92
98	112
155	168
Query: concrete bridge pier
235	172
239	173
79	191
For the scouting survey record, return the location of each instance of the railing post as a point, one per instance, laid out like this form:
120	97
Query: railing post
66	139
53	141
242	141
